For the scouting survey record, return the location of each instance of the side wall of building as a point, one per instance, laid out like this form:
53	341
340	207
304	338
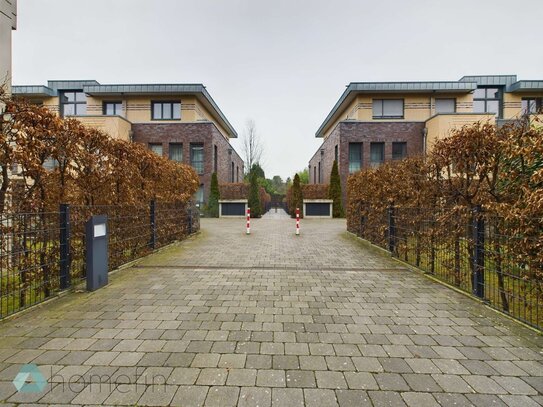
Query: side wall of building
204	133
8	22
365	133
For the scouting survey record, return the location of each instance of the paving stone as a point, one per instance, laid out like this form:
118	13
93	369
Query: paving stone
287	397
255	397
222	396
391	381
330	380
353	398
519	401
241	377
386	398
421	382
361	380
206	360
258	362
270	378
514	385
190	396
183	376
419	399
313	363
340	363
320	398
212	377
300	378
483	384
452	383
285	362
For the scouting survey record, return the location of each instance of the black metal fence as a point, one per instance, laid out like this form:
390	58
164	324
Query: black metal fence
44	253
497	260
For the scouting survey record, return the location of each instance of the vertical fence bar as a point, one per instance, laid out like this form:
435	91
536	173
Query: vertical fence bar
65	233
391	230
478	253
152	224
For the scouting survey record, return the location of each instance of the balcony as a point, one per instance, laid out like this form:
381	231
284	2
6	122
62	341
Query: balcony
116	127
441	125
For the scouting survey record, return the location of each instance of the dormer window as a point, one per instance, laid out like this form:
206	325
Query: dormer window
73	103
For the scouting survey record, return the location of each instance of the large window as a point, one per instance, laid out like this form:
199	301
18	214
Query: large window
215	159
156	148
487	100
377	154
532	105
388	108
399	150
314	175
113	108
445	105
73	103
166	110
199	196
355	157
336	154
197	157
176	152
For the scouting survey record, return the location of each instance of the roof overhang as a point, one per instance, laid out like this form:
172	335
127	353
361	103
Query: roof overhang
356	88
33	91
526	86
198	90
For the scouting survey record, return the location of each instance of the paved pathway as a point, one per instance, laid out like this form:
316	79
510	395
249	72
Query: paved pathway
272	319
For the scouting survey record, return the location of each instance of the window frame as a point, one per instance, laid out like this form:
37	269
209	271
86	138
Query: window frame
114	103
75	102
454	105
180	145
486	99
361	161
383	116
374	164
162	103
538	104
404	150
193	146
151	145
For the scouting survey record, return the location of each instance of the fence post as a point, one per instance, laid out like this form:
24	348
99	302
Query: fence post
391	230
152	223
190	218
478	226
65	232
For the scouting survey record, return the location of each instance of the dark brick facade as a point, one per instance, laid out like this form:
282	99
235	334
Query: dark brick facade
205	133
365	133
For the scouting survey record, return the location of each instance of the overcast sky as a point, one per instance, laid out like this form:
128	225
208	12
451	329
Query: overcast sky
283	63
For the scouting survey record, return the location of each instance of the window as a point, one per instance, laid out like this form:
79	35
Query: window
377	154
176	152
314	175
73	103
399	150
232	173
237	173
166	110
487	100
336	154
319	172
199	196
532	105
445	105
215	159
113	108
156	148
197	157
388	108
355	157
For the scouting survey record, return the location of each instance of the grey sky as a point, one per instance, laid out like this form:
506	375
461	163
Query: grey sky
283	63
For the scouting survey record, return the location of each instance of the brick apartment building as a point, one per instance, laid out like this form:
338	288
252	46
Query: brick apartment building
375	122
179	121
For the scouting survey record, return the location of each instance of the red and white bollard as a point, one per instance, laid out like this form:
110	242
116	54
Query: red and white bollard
248	221
297	221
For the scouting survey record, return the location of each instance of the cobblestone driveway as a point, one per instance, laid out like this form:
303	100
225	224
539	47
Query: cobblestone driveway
227	319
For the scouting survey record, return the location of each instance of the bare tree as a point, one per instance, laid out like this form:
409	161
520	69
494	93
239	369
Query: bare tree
253	147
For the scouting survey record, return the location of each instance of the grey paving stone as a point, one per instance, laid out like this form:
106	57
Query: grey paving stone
320	398
386	398
270	378
452	383
287	397
300	378
419	399
212	377
391	381
361	380
190	396
330	380
353	398
183	376
258	362
218	396
255	397
241	377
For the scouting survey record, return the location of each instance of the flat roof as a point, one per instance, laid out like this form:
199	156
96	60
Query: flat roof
92	87
466	84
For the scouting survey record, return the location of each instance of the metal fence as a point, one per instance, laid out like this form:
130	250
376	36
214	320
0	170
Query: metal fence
495	259
44	253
